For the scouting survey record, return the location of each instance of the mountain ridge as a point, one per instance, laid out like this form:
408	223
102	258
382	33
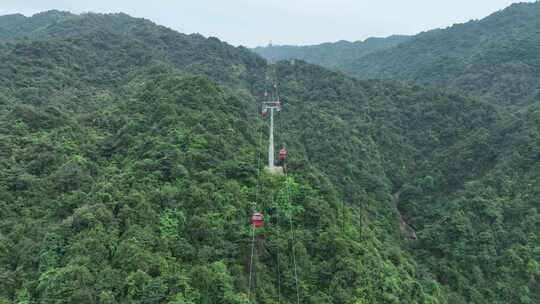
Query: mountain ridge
495	58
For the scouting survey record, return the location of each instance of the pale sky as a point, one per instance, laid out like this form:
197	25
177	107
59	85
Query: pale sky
256	22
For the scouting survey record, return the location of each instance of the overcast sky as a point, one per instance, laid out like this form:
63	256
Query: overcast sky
256	22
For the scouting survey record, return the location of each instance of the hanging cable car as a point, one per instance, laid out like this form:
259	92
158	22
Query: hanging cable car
283	154
264	112
257	220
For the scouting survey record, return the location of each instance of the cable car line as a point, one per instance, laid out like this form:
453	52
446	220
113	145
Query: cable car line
271	103
283	158
282	155
251	261
277	256
257	218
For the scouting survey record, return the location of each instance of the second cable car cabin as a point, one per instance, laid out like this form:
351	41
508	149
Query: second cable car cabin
257	220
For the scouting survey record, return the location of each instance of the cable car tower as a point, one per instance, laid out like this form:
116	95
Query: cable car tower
268	108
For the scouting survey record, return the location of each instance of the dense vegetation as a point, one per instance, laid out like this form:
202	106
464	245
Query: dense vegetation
464	174
125	179
130	162
497	58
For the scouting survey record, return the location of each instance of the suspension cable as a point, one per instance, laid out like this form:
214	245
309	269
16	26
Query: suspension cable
251	261
284	164
277	256
257	197
293	240
273	95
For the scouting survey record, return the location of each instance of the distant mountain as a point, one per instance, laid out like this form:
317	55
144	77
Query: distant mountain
338	55
497	58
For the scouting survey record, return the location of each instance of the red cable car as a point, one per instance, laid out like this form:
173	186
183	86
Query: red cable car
257	220
283	154
264	112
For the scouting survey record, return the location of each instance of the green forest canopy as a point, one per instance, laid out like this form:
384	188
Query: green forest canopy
129	165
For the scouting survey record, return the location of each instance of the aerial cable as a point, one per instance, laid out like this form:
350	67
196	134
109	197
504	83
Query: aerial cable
277	256
288	196
293	240
275	92
257	198
251	261
273	96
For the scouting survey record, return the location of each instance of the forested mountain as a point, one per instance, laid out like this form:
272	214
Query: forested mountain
106	51
130	160
339	55
127	178
464	174
497	58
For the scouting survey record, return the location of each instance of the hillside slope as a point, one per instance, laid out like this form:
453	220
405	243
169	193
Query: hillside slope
132	180
465	174
117	47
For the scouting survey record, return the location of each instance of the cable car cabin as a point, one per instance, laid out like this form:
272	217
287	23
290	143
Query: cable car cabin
283	154
264	113
257	220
